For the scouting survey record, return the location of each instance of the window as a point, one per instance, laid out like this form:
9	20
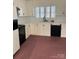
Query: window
37	12
42	12
52	11
48	12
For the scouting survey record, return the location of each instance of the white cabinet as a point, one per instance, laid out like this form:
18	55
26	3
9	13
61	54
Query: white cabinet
63	30
20	4
44	29
39	29
32	29
16	45
28	30
36	29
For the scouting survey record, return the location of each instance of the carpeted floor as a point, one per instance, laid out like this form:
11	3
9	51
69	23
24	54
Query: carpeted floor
42	47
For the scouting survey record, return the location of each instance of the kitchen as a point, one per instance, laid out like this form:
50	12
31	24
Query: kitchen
38	16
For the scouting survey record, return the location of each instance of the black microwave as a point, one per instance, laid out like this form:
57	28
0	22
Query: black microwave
15	24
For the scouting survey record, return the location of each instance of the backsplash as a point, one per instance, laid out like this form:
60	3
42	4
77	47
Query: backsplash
31	19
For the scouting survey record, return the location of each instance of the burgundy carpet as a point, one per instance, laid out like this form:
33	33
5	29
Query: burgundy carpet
42	47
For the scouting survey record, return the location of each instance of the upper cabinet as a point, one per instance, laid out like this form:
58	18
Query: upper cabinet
21	4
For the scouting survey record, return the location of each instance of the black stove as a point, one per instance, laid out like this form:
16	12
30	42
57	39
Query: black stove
21	34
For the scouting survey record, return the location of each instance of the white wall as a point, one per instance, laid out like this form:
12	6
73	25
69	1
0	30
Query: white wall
28	5
14	11
60	5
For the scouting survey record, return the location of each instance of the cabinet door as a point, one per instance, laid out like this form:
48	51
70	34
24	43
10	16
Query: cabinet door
26	27
32	29
38	29
44	29
63	30
28	30
16	45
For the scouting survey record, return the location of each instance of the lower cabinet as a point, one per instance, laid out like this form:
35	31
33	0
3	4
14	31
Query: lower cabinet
44	29
27	30
34	29
63	30
16	44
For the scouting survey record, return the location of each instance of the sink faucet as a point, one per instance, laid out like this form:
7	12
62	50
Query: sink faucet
52	20
44	19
